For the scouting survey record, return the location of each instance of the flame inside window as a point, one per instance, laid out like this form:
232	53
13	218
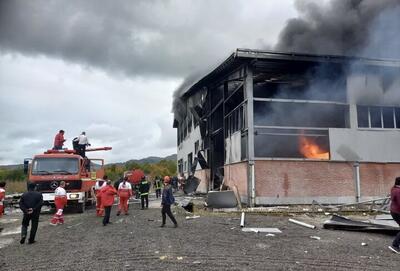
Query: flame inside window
309	148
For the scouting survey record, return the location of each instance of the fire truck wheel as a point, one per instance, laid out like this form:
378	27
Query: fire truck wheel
81	207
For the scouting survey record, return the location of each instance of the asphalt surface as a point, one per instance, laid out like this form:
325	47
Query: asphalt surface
213	241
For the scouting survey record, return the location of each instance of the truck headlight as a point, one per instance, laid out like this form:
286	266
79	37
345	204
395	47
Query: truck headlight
74	196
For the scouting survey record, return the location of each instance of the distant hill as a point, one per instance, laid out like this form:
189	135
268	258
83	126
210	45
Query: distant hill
148	160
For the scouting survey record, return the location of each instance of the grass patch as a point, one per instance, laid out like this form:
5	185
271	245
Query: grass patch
15	187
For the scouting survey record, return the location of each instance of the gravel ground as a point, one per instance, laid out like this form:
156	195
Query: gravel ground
214	241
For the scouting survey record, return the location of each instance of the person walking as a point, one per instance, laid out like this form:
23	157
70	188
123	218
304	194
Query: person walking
395	212
82	143
144	188
166	201
97	187
124	194
2	197
107	200
60	200
158	186
59	140
30	203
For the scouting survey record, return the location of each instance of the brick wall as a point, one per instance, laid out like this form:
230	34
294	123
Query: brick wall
236	174
303	181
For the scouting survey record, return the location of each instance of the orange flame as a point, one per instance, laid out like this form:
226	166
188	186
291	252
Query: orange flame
310	149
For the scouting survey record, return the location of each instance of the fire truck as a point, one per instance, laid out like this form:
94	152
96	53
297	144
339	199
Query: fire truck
134	177
80	174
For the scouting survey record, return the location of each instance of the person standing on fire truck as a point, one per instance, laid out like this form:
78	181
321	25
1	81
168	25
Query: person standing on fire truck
82	143
124	193
2	196
107	199
59	140
144	188
97	187
60	200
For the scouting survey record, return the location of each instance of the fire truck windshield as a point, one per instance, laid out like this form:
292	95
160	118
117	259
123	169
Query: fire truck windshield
47	166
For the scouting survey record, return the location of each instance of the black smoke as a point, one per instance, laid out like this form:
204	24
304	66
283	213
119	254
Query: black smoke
366	28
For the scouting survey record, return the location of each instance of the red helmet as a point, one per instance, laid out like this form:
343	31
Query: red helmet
167	179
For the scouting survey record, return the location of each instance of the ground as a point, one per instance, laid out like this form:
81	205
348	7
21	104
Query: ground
213	241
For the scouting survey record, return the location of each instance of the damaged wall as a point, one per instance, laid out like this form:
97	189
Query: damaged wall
204	176
236	174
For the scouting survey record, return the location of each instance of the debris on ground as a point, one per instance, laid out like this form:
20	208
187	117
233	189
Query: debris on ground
191	185
221	199
302	223
192	217
257	230
242	220
315	237
343	223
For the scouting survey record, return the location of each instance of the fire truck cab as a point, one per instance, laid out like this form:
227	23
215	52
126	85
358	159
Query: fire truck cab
80	174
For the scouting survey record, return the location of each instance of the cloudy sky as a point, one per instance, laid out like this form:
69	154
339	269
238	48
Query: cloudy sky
110	67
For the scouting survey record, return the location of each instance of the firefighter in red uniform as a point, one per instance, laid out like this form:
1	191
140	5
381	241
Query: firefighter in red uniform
2	196
97	187
124	193
60	200
107	194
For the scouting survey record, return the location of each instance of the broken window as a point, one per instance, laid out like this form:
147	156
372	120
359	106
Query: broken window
234	121
180	166
362	116
300	114
387	116
375	115
397	116
196	147
291	143
216	95
190	161
190	124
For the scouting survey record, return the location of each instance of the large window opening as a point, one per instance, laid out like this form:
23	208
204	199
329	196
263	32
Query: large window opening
384	117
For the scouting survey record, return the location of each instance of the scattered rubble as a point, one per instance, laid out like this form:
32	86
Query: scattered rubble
257	230
221	199
302	223
343	223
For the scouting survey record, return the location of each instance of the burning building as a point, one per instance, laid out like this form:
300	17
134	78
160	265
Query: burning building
288	128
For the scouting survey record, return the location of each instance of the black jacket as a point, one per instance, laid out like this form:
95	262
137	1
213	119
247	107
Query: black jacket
31	199
144	187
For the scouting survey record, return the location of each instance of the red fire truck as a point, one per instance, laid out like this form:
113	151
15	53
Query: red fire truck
47	170
134	177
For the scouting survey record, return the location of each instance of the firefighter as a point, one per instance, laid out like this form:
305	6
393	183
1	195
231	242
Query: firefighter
124	193
107	194
166	201
60	200
2	196
144	188
97	187
30	204
158	186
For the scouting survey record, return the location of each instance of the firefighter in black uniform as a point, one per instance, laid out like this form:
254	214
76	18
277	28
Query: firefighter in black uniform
144	188
158	186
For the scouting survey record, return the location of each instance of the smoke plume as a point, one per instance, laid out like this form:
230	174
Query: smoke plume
347	27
